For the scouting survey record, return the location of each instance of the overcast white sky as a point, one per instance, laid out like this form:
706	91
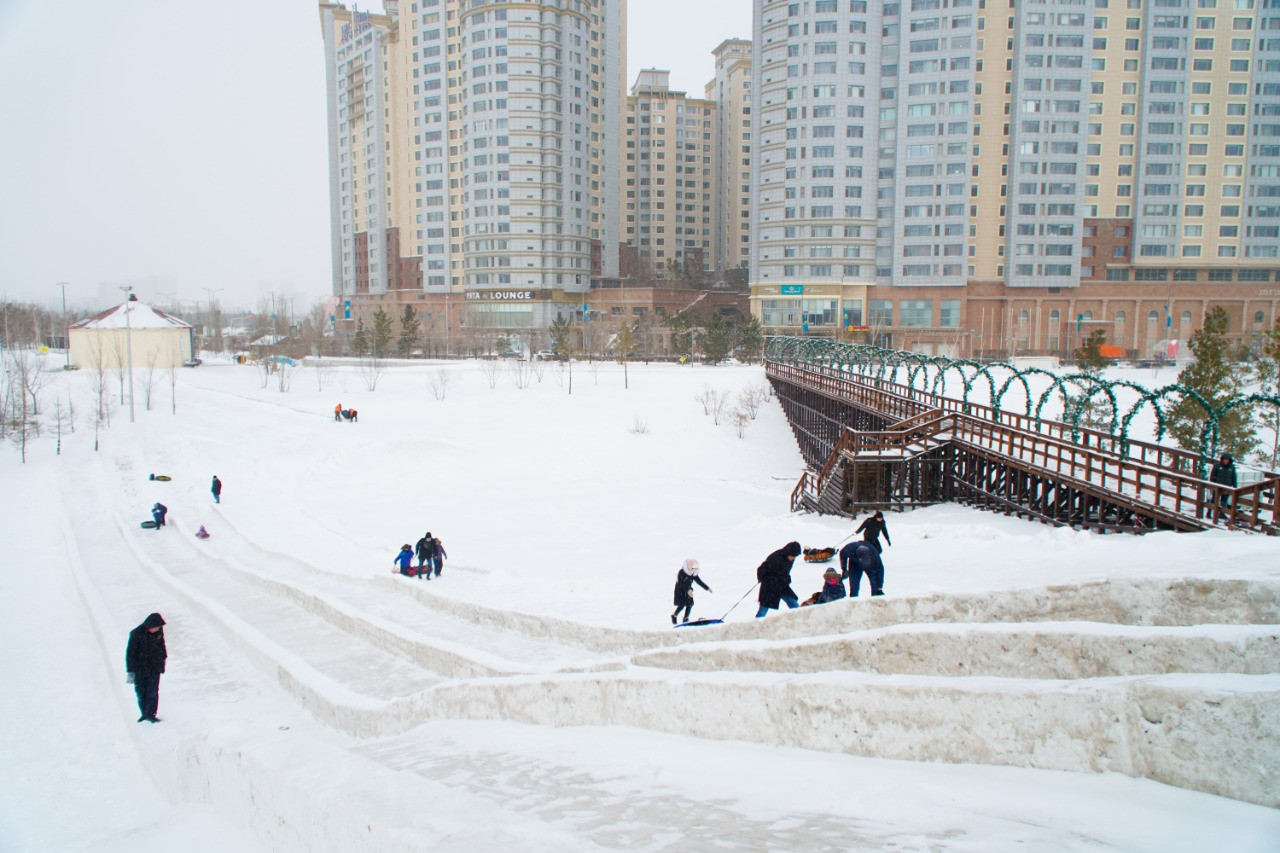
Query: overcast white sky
181	145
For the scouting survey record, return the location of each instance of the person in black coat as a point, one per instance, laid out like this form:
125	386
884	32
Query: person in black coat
774	576
216	488
144	662
857	558
872	528
158	512
425	549
685	579
1224	474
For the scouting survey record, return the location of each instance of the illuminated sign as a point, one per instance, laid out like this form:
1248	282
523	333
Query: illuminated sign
501	295
791	289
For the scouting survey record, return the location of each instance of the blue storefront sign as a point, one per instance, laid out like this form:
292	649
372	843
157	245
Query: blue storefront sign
346	309
791	290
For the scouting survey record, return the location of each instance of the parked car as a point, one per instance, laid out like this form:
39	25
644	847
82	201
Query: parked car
194	362
545	355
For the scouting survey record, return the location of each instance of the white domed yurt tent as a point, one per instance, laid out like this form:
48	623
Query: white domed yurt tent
155	337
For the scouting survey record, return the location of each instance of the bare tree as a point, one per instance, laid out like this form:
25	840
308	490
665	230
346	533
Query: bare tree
707	397
539	367
98	378
149	378
20	370
286	370
440	383
740	417
720	407
639	425
63	419
175	356
520	372
750	399
491	369
370	369
118	350
323	371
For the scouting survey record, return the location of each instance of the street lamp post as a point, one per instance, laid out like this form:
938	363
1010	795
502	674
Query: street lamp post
128	337
66	335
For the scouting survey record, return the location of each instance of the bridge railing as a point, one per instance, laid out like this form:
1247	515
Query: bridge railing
1143	473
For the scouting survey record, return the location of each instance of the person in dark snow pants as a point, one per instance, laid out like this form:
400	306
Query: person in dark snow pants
685	579
423	552
405	560
337	413
144	662
1224	474
437	555
872	528
774	576
858	558
216	488
158	512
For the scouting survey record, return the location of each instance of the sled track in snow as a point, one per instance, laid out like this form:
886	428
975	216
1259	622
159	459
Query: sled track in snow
1172	680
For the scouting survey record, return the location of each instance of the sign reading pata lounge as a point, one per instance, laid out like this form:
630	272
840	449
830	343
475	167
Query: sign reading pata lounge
504	295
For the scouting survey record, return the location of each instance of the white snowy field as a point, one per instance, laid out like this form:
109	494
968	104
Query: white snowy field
536	694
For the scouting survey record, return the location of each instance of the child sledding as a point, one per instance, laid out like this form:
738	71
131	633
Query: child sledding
819	555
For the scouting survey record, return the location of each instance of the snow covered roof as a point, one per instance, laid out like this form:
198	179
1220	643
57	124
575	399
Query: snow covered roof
268	340
141	316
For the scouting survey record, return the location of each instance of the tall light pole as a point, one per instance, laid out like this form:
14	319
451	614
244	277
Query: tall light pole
66	335
128	338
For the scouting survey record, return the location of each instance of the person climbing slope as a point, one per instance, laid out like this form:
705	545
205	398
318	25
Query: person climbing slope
405	560
872	528
685	579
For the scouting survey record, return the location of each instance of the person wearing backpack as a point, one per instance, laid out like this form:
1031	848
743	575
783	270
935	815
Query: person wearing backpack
437	555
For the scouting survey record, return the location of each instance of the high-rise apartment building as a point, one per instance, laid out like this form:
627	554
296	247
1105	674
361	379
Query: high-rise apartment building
976	176
669	213
473	150
730	91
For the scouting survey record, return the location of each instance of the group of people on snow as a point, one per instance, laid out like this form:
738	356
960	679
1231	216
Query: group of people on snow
160	512
774	575
431	556
340	414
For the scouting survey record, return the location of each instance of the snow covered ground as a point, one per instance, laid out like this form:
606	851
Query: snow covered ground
536	695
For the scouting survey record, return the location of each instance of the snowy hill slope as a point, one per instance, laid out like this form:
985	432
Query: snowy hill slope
312	695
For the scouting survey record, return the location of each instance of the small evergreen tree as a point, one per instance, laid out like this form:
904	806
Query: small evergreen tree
562	336
750	340
717	340
360	342
382	333
1089	356
681	326
1217	380
410	329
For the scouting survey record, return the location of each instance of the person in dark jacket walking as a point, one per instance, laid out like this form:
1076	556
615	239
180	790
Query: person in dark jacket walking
774	576
423	550
1224	474
158	512
404	559
216	488
871	529
144	662
685	579
857	558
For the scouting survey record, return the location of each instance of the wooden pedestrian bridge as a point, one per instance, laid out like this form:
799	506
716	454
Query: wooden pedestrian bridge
878	430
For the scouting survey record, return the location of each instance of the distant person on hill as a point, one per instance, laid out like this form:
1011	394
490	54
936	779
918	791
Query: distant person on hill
144	659
832	589
1224	474
405	560
774	577
158	512
871	529
216	488
337	412
437	555
685	579
858	558
423	551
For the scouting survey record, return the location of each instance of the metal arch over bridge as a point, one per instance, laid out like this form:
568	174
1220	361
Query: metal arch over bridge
879	429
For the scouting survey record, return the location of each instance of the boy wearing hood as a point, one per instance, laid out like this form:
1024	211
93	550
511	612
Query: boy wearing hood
1224	474
144	662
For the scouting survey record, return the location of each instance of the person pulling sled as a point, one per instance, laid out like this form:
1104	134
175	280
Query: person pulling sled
158	512
685	579
404	560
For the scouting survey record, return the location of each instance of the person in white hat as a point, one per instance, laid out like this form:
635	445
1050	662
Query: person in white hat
685	579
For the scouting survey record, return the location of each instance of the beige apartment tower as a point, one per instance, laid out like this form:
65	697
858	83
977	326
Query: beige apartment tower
730	91
970	178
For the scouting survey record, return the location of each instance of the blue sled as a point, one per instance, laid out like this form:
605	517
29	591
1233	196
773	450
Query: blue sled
700	622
